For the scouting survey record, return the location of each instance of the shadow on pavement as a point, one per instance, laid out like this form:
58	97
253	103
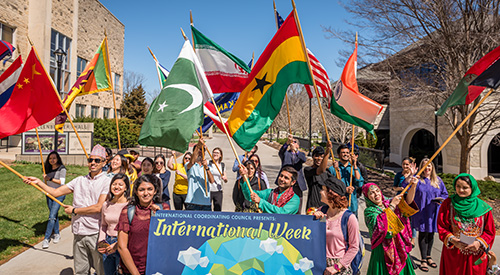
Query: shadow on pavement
67	257
67	271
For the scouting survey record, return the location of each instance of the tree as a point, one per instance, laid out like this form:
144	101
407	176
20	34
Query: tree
428	46
134	106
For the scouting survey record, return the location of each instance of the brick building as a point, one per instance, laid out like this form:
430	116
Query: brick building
77	27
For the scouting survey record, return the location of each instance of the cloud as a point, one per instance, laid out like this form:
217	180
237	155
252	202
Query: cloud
192	258
304	264
270	246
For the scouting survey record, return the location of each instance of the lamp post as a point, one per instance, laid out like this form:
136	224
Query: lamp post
60	54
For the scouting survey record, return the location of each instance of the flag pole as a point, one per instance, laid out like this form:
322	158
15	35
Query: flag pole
210	154
192	24
40	150
32	184
352	152
303	44
60	101
203	154
157	64
114	97
286	95
449	138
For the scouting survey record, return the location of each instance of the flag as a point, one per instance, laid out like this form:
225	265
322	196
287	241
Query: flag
225	103
178	111
320	76
468	89
282	63
162	73
34	100
348	103
6	50
96	77
8	80
225	72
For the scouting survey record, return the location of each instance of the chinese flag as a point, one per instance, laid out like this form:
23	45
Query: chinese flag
33	102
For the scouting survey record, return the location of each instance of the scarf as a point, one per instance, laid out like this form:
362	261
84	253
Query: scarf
470	207
286	196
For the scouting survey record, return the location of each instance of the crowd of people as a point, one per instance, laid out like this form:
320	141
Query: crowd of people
113	204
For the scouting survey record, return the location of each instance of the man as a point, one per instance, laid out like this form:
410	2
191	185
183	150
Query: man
198	195
89	193
290	155
243	158
316	176
281	200
345	166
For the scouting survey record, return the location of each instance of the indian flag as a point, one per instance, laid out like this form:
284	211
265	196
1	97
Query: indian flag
348	103
282	63
225	72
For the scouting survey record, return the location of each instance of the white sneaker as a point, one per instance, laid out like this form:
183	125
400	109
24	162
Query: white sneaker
56	238
45	243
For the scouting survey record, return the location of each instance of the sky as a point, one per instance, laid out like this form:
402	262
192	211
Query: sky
240	27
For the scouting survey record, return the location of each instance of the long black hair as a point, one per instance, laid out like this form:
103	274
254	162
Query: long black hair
120	176
154	180
164	162
48	166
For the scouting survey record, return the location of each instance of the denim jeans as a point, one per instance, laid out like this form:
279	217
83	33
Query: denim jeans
111	261
53	224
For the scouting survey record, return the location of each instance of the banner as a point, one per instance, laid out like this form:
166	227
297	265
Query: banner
199	242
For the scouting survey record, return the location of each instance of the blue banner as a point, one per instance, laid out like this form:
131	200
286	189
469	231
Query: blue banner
225	103
198	242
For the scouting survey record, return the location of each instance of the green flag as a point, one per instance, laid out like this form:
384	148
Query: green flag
178	111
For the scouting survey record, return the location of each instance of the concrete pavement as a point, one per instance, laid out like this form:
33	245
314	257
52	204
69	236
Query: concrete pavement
57	259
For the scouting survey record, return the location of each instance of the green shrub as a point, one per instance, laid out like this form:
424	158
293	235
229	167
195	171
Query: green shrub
105	131
489	189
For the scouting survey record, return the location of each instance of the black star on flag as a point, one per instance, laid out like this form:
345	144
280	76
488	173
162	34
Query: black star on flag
261	83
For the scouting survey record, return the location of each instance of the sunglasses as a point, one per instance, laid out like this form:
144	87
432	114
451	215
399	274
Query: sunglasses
96	160
294	141
159	162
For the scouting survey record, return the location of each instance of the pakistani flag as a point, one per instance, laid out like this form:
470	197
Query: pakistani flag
178	111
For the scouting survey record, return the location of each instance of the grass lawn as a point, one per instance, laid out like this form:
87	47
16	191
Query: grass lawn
24	212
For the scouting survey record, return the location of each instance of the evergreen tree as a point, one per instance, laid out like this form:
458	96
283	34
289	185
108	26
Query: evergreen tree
134	105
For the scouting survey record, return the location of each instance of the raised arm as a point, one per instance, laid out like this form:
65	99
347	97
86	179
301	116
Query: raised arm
56	192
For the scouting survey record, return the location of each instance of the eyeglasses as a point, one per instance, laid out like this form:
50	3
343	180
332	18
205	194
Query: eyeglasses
159	162
96	160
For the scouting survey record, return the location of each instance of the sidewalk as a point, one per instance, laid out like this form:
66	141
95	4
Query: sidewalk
57	259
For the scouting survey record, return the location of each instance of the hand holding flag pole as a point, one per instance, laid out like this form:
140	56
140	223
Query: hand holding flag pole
352	144
32	184
337	171
210	154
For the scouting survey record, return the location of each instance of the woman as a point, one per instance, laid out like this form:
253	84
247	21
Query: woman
241	204
429	195
55	177
339	254
161	171
118	164
119	192
467	229
260	173
133	234
390	250
147	166
181	180
216	186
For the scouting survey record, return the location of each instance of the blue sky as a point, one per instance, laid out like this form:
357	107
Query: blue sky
241	27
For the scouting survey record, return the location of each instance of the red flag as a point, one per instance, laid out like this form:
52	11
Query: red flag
33	102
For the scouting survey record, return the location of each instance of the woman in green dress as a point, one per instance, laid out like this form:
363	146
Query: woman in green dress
390	230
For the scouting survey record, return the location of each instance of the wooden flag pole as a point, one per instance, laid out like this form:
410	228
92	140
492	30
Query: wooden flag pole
203	154
60	101
40	150
32	184
114	97
157	64
352	152
192	24
210	154
304	49
449	138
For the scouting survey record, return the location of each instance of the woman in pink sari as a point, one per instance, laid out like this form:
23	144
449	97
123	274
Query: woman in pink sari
390	249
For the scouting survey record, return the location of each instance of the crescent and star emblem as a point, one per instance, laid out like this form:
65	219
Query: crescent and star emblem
193	91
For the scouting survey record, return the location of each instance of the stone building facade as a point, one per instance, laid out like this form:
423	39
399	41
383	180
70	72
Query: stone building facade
76	26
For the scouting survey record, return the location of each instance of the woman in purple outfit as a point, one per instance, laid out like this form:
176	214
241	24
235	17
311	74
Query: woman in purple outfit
429	195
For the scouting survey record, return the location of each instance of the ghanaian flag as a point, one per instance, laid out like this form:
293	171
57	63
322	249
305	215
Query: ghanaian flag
96	77
282	63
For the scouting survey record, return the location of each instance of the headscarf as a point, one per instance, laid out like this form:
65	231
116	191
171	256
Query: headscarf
471	206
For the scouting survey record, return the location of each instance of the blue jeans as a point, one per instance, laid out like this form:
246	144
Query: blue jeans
191	206
53	224
111	261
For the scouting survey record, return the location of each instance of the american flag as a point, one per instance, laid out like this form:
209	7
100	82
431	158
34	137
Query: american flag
319	72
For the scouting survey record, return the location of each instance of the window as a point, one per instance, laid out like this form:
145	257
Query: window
94	111
117	83
105	113
118	113
6	33
80	65
80	110
58	40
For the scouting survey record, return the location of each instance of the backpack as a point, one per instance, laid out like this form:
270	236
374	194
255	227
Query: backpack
131	211
357	262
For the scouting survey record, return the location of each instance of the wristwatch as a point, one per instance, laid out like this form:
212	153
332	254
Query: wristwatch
73	211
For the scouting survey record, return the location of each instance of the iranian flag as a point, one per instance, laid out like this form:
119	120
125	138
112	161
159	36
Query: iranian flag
348	103
225	72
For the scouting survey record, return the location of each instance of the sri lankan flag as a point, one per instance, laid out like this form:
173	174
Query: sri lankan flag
95	78
282	63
